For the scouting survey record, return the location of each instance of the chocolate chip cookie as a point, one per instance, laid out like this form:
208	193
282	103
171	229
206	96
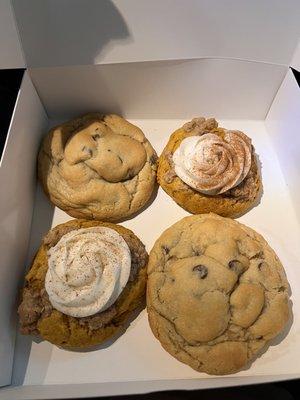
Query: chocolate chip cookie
97	167
216	293
205	168
42	317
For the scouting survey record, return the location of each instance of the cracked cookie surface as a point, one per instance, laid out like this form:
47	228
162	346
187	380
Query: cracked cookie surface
38	317
97	167
232	203
216	293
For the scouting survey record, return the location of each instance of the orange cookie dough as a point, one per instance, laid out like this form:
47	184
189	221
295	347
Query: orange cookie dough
38	317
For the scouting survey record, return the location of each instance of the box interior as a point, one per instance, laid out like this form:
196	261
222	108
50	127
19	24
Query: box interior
43	364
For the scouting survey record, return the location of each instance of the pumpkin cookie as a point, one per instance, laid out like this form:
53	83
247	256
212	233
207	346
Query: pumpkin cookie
97	167
85	280
205	169
216	293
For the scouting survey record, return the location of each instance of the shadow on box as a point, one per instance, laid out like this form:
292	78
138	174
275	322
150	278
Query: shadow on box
80	32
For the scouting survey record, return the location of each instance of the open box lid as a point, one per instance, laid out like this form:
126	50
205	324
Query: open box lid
11	55
60	32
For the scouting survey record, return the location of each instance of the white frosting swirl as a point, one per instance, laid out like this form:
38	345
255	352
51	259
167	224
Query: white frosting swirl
87	270
212	165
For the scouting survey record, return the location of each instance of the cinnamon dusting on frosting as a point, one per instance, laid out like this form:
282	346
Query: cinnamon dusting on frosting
213	165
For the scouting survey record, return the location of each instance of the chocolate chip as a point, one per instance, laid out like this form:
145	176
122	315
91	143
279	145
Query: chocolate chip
201	270
95	137
236	266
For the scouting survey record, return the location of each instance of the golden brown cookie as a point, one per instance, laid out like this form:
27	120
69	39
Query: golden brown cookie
38	317
233	202
216	293
97	167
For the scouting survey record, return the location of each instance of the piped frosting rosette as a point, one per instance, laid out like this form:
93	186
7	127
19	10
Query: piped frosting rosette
213	165
87	270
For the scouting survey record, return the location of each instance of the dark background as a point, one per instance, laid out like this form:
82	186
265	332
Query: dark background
288	390
10	81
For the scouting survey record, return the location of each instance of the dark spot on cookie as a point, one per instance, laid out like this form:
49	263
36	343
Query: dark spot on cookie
262	265
259	337
201	271
281	289
130	173
236	266
153	159
109	150
166	249
96	136
170	176
86	149
257	255
120	159
197	253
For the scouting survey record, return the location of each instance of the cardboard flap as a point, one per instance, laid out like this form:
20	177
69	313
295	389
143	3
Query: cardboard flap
75	32
283	123
162	89
17	180
10	48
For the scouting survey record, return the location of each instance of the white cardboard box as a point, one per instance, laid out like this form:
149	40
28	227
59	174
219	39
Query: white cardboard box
212	65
